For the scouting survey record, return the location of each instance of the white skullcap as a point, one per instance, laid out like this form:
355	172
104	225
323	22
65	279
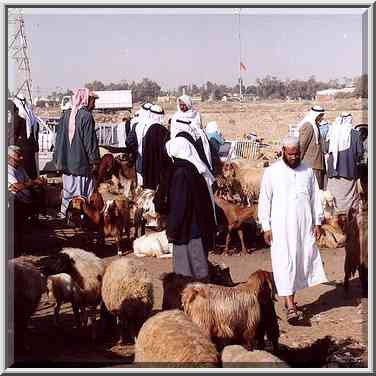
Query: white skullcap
290	141
345	113
157	109
146	106
212	127
317	108
13	149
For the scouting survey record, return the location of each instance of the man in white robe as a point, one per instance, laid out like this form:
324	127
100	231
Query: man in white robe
290	212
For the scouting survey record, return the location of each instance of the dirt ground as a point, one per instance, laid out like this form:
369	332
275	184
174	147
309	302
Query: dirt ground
334	333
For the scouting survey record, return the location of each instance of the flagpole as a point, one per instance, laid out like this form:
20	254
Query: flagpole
240	68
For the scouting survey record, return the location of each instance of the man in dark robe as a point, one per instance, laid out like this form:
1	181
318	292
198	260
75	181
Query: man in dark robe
76	151
19	135
191	219
155	160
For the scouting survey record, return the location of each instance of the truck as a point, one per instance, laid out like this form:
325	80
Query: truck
108	101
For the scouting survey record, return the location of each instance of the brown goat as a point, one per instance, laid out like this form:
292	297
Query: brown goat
120	170
174	284
115	220
111	219
357	246
269	320
234	217
229	315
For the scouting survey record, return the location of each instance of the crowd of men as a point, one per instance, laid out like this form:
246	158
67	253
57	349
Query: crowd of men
180	163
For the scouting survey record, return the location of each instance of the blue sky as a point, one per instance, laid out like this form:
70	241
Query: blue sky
70	47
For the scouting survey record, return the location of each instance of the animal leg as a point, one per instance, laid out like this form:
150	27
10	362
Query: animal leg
240	233
56	313
228	238
76	312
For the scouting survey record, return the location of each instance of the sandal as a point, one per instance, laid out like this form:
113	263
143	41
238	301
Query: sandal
292	316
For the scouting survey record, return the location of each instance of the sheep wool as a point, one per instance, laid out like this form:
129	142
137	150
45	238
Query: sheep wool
170	338
89	274
127	292
27	285
238	356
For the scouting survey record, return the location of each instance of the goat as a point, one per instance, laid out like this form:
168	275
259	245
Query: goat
234	217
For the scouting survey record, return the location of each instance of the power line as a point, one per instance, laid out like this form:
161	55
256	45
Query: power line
18	51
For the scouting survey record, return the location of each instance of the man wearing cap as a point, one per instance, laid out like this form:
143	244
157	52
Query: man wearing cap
76	151
310	143
345	153
26	196
291	214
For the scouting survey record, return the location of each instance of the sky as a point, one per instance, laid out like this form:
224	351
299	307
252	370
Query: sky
68	48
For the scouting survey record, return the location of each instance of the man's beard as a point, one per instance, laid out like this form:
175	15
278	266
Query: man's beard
291	165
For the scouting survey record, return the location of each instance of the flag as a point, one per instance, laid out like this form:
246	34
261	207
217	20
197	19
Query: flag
242	66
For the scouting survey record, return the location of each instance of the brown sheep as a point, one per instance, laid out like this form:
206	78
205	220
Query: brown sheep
174	284
332	235
357	246
170	338
234	217
229	315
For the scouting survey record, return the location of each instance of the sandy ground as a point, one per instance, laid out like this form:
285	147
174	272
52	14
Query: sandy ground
329	312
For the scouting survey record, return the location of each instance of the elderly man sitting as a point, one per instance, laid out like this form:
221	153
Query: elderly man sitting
26	196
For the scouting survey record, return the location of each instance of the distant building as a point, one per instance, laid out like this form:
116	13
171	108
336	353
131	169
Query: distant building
330	94
166	99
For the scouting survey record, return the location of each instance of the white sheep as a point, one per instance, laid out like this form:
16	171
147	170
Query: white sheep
238	355
155	244
127	293
61	288
172	337
87	271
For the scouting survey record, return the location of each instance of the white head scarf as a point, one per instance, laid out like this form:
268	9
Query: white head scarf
188	121
339	135
25	111
311	118
212	127
143	124
156	114
180	147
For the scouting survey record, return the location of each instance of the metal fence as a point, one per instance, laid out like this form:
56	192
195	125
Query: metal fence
107	134
247	149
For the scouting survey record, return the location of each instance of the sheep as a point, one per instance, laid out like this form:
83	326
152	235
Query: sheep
332	235
356	248
234	217
226	314
257	358
328	204
155	244
127	293
174	284
170	338
26	286
87	272
245	179
61	288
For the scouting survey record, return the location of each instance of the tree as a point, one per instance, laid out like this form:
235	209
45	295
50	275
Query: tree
361	86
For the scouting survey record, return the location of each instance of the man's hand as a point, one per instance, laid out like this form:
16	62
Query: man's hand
317	232
268	237
38	182
16	187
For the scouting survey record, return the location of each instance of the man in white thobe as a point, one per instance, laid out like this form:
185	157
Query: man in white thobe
290	212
